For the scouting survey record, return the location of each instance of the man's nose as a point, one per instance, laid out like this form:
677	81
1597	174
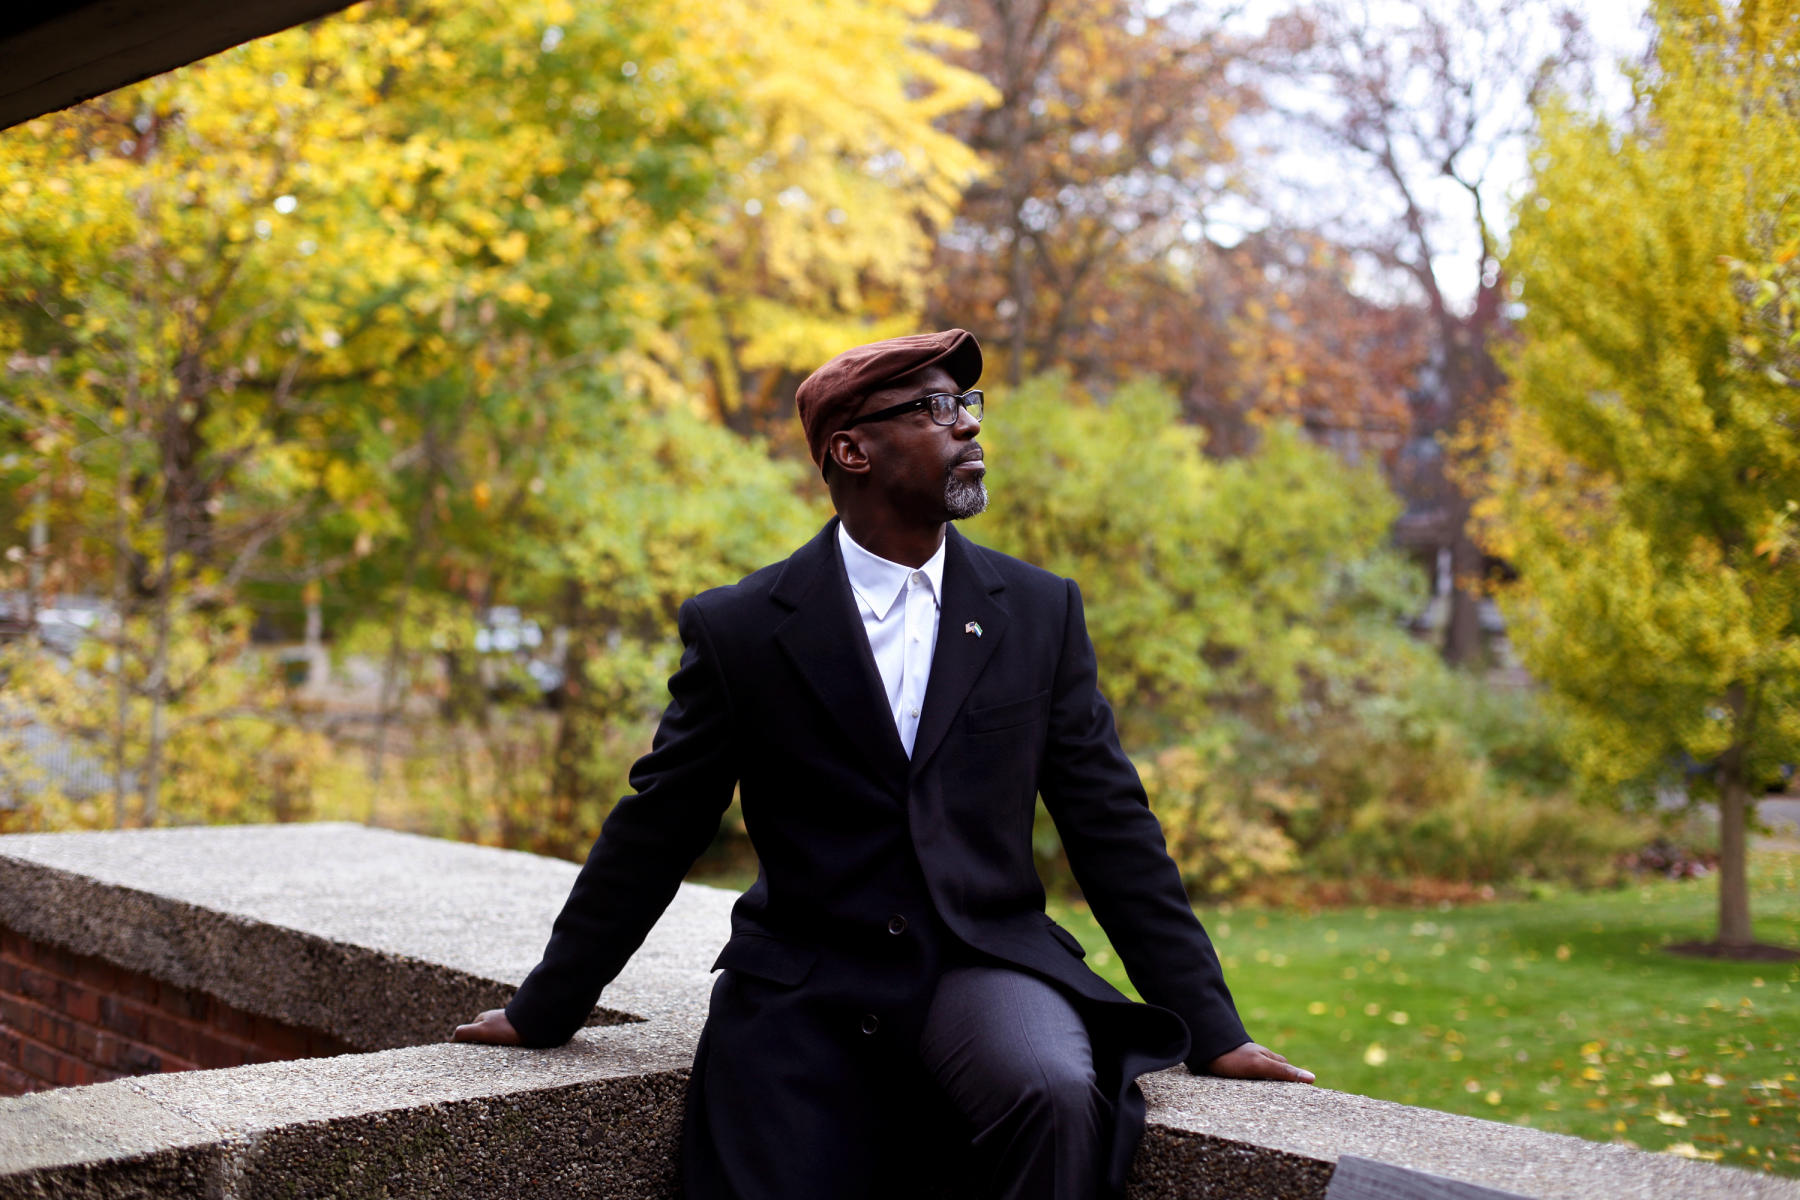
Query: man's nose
967	425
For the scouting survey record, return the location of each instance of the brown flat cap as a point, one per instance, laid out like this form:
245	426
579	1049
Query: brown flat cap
831	394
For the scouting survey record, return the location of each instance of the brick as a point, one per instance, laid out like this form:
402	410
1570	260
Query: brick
72	1072
134	1059
185	1003
101	1048
212	1052
79	1003
9	975
16	1014
39	1061
53	960
233	1022
87	1043
282	1041
10	1043
17	946
24	1016
14	1082
57	1032
97	974
122	1017
325	1045
133	986
37	985
170	1034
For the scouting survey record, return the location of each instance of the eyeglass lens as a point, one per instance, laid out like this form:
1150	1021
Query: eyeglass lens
944	406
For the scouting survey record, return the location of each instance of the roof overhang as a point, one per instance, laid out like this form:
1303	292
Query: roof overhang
62	52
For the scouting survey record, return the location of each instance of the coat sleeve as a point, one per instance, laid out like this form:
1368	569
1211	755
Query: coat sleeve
646	845
1115	848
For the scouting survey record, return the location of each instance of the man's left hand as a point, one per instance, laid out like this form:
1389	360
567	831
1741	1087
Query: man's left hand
1251	1061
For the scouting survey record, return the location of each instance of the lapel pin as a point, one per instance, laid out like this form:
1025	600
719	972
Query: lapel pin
973	627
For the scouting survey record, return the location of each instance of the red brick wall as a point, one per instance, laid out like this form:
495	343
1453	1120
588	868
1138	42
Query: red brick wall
66	1019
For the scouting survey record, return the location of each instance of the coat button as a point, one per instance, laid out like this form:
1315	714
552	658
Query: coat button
870	1023
896	924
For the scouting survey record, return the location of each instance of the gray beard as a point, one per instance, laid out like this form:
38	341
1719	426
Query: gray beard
965	497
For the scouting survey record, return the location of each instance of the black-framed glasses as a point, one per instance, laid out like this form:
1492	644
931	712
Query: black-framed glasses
943	406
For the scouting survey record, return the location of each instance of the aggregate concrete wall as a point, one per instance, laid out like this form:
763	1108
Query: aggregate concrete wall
387	940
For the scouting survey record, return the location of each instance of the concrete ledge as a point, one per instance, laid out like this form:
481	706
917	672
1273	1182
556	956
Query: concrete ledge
388	940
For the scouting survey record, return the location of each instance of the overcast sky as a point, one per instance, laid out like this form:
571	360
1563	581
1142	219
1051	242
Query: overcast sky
1307	184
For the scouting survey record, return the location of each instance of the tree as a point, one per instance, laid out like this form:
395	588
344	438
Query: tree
227	290
1106	150
1423	98
1095	242
835	182
334	320
1647	476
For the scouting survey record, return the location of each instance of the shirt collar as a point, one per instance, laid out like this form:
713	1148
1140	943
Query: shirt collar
879	582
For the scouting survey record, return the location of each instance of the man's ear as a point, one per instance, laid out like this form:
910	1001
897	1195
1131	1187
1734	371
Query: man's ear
846	452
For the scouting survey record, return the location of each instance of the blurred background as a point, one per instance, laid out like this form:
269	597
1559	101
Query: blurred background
1413	387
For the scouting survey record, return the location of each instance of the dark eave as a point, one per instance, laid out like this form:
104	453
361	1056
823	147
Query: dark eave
60	53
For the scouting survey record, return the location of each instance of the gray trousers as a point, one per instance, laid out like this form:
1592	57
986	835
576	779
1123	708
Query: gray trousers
1013	1059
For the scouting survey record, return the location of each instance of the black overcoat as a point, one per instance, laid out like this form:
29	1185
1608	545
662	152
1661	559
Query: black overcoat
876	870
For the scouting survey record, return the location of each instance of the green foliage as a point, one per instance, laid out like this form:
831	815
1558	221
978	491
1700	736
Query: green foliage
1248	617
235	748
1645	480
1648	474
406	313
1263	582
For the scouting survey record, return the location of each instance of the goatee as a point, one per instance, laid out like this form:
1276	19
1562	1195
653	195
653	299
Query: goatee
964	497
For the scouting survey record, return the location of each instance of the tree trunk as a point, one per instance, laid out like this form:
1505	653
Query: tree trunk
1734	881
1462	627
573	744
1014	85
121	597
38	545
158	686
390	670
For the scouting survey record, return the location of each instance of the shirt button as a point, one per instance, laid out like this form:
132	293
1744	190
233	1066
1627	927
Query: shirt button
915	712
870	1023
918	577
896	924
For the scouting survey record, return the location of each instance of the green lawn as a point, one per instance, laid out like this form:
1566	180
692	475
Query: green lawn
1561	1013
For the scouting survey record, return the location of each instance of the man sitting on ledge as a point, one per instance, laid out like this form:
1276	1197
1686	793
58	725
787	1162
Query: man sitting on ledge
890	702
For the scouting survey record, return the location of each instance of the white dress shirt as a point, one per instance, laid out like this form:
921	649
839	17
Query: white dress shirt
899	607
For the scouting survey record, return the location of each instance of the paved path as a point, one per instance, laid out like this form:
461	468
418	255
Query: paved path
1782	815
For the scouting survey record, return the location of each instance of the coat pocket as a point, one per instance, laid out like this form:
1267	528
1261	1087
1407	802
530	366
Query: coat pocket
1069	941
1006	716
767	958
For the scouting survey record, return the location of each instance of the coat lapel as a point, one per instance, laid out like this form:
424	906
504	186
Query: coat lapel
971	595
824	637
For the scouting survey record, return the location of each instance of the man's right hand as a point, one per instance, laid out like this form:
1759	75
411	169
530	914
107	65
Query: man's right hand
491	1027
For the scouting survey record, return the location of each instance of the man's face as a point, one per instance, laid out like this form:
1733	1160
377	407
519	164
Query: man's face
935	471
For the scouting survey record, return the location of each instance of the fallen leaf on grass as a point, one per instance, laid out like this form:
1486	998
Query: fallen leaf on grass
1687	1150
